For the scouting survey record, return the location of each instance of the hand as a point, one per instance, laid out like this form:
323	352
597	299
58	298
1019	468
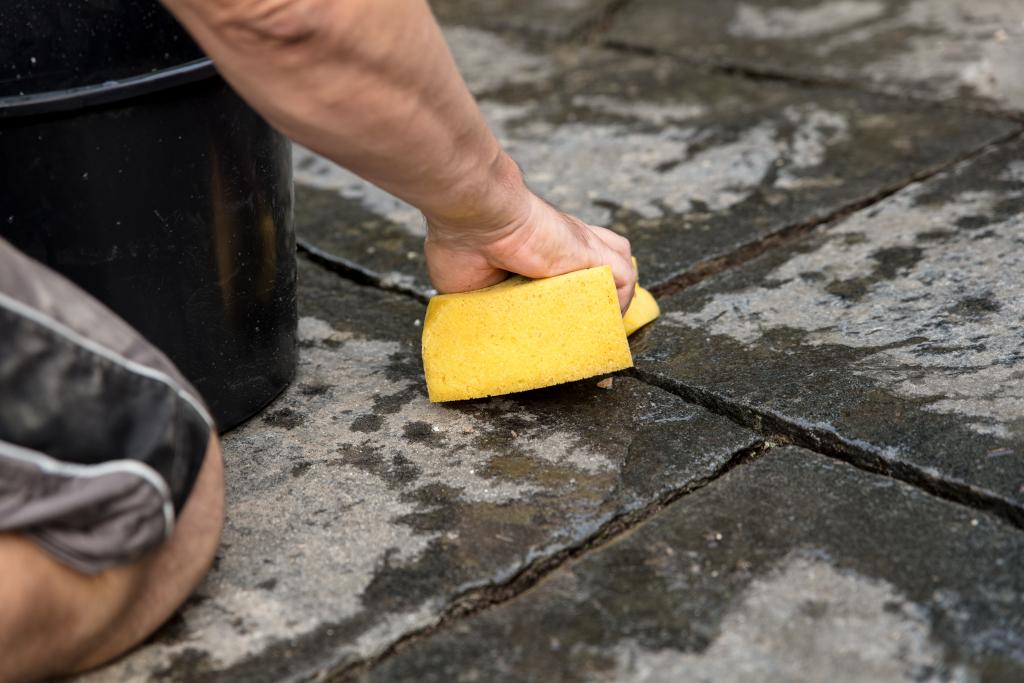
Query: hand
407	123
535	240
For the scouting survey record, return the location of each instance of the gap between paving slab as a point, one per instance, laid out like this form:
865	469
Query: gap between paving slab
690	166
773	427
359	512
478	600
353	271
797	231
791	568
777	432
937	468
825	441
952	51
769	75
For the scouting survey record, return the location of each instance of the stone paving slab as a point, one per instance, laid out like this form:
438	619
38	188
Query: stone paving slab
546	19
689	166
896	335
790	569
357	510
960	51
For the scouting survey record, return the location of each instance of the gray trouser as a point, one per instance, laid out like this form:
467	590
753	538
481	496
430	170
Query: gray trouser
101	438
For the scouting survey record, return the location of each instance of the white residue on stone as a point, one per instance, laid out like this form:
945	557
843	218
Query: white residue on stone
656	113
573	164
785	23
488	61
395	279
817	130
312	505
475	52
804	623
947	47
582	166
971	55
959	363
648	172
644	172
313	170
1014	172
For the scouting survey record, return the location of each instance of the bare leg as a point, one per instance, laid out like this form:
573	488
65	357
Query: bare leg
54	620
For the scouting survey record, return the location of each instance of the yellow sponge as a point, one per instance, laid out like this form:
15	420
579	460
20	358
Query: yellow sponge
642	310
523	334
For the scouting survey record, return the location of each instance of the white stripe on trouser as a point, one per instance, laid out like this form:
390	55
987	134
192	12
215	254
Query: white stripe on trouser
63	330
137	468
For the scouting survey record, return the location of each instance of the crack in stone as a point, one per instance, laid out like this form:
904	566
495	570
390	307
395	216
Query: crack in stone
350	270
353	271
766	74
795	232
482	598
825	440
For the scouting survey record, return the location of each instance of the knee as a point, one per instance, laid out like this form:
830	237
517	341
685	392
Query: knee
27	608
50	614
170	573
54	620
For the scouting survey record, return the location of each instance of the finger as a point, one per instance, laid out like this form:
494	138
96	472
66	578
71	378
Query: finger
613	240
617	255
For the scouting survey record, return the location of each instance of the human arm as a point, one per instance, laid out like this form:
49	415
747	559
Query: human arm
371	85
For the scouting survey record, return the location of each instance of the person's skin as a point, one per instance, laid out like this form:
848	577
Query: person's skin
371	85
56	621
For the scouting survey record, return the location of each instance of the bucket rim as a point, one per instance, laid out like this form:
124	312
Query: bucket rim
52	101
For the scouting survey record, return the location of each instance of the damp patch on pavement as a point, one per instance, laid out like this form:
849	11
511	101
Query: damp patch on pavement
790	568
358	511
689	166
897	330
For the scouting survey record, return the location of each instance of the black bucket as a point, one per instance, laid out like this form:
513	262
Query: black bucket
128	165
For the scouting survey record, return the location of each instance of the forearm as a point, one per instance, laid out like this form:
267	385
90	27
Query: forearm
371	85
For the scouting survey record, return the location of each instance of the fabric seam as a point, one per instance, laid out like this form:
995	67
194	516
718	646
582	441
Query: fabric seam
25	311
137	468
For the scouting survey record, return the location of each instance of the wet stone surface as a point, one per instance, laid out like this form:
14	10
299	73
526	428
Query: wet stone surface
793	568
357	510
544	19
961	51
895	335
689	166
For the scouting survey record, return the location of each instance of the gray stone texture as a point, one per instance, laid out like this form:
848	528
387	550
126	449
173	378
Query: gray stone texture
895	335
967	52
790	569
358	511
689	166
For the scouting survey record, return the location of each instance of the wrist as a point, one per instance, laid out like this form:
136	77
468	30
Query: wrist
484	204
